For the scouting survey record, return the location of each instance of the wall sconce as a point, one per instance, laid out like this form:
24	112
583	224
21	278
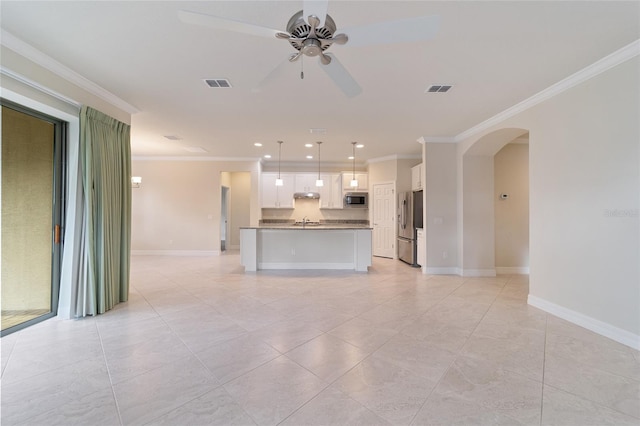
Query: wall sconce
136	181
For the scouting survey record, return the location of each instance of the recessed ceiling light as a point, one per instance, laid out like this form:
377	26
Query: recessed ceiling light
351	157
359	146
308	145
309	157
267	156
257	144
318	131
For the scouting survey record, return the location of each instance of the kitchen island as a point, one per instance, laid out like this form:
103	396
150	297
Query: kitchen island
305	247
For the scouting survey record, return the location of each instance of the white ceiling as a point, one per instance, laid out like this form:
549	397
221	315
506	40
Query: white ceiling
495	54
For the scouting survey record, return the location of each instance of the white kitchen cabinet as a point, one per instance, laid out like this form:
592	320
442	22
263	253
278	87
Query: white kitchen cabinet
421	243
416	177
306	182
277	197
362	178
331	192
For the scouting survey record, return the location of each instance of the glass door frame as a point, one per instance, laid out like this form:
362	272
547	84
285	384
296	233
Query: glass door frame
59	197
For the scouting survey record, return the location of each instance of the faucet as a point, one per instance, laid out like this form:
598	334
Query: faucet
304	221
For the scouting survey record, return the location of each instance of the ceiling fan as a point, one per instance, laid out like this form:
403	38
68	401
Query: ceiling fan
312	31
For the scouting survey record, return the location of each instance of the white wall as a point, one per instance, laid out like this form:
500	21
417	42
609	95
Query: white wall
239	206
478	216
312	211
177	208
440	208
511	177
584	152
584	202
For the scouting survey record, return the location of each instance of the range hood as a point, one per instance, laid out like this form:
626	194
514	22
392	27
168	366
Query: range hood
306	195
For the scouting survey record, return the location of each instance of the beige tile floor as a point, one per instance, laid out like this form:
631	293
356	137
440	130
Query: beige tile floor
202	343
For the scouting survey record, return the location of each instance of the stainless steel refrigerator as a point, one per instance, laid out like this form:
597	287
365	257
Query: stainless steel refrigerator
409	217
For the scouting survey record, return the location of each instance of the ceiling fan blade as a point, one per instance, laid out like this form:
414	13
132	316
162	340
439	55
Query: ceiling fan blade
341	77
273	75
315	8
401	31
226	24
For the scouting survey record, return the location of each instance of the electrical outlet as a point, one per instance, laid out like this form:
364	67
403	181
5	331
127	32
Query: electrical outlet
445	254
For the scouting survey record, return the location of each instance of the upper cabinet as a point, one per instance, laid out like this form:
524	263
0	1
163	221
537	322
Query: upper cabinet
416	177
361	177
278	197
331	192
306	182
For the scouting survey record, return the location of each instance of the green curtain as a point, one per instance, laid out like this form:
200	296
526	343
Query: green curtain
105	165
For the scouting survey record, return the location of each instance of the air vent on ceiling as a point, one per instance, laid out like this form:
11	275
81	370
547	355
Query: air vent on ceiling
194	149
173	137
217	82
438	88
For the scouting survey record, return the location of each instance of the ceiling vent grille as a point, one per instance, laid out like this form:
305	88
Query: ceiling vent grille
194	149
173	137
438	88
217	82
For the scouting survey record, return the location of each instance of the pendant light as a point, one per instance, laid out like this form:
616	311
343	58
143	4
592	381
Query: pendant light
354	181
279	181
319	181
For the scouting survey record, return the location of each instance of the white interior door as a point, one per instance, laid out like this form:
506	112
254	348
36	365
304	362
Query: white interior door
384	219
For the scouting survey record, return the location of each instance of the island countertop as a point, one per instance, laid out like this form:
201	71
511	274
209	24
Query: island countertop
316	246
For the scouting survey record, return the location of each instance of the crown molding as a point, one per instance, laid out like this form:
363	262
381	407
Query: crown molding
31	53
28	82
394	157
436	139
614	59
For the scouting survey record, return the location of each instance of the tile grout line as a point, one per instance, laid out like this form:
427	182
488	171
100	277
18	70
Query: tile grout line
106	364
443	375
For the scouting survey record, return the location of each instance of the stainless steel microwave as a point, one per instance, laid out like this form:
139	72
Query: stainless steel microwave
357	200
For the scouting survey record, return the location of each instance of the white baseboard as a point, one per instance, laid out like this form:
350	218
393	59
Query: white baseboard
479	272
607	330
518	270
175	253
452	270
309	265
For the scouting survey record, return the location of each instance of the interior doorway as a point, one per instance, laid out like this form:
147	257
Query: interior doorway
235	210
224	217
384	219
32	212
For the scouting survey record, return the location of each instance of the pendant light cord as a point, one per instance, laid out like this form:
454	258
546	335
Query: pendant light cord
279	153
354	159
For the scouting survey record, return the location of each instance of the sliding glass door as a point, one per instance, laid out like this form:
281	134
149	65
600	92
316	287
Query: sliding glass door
32	213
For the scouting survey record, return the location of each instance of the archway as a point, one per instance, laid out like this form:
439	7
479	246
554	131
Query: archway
478	206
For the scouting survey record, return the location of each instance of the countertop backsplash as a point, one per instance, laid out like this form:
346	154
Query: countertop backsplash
311	210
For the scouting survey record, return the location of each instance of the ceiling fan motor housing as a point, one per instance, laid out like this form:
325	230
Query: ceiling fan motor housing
300	29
